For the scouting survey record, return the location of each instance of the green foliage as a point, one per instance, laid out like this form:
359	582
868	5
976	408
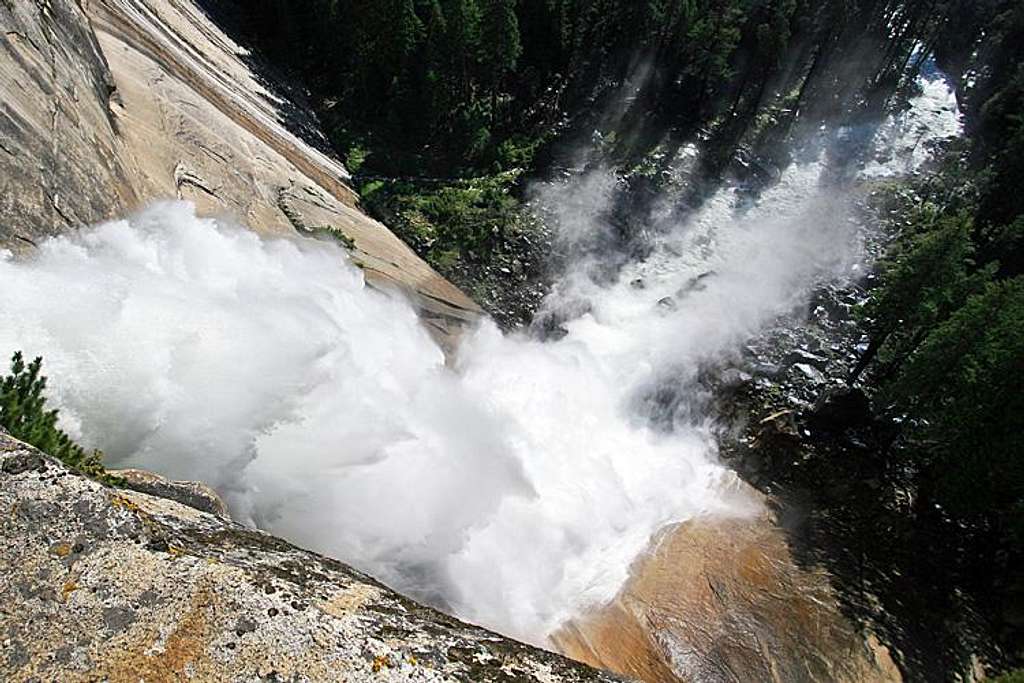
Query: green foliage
962	387
355	158
928	275
947	321
947	326
500	46
992	96
386	35
1012	677
24	415
442	85
329	234
516	153
450	222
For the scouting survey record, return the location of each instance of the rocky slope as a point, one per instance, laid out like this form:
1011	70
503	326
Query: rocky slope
105	584
106	105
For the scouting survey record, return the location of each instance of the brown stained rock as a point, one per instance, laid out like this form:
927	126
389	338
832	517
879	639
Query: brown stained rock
105	584
723	600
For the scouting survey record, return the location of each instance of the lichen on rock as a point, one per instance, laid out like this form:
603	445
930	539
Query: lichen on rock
107	584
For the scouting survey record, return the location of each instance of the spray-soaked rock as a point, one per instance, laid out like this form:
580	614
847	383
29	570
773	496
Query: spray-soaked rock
118	585
723	600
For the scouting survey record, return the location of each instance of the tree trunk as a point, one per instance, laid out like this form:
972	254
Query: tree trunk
874	346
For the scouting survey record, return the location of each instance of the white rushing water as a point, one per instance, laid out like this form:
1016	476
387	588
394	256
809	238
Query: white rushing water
515	489
904	140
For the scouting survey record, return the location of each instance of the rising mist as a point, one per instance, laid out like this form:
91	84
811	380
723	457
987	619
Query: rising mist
514	489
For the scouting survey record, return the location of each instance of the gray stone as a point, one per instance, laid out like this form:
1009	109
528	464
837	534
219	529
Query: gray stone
117	619
192	493
17	655
218	601
807	358
810	372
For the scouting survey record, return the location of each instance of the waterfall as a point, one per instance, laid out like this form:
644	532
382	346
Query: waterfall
513	489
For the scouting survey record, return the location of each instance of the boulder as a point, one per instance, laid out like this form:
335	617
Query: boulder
194	494
108	584
841	407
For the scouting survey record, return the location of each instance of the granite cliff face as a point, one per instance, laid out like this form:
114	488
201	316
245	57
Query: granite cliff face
106	105
61	162
106	584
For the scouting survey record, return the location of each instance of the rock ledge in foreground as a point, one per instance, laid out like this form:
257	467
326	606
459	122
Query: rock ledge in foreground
105	584
194	494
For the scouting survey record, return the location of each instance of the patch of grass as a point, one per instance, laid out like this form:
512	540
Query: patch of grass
329	234
355	158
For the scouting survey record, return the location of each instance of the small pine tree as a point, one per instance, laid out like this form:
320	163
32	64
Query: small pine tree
462	20
962	389
500	46
926	280
24	415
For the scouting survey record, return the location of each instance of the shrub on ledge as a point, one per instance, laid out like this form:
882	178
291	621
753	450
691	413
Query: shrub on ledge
24	415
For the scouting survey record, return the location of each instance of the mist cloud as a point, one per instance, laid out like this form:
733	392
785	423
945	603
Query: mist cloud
515	489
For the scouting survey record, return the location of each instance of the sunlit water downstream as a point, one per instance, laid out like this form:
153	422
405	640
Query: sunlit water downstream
515	490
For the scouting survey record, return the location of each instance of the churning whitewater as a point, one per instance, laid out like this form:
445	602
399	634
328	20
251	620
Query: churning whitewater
514	489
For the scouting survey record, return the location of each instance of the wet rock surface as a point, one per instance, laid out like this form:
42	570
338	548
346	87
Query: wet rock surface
722	600
105	584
